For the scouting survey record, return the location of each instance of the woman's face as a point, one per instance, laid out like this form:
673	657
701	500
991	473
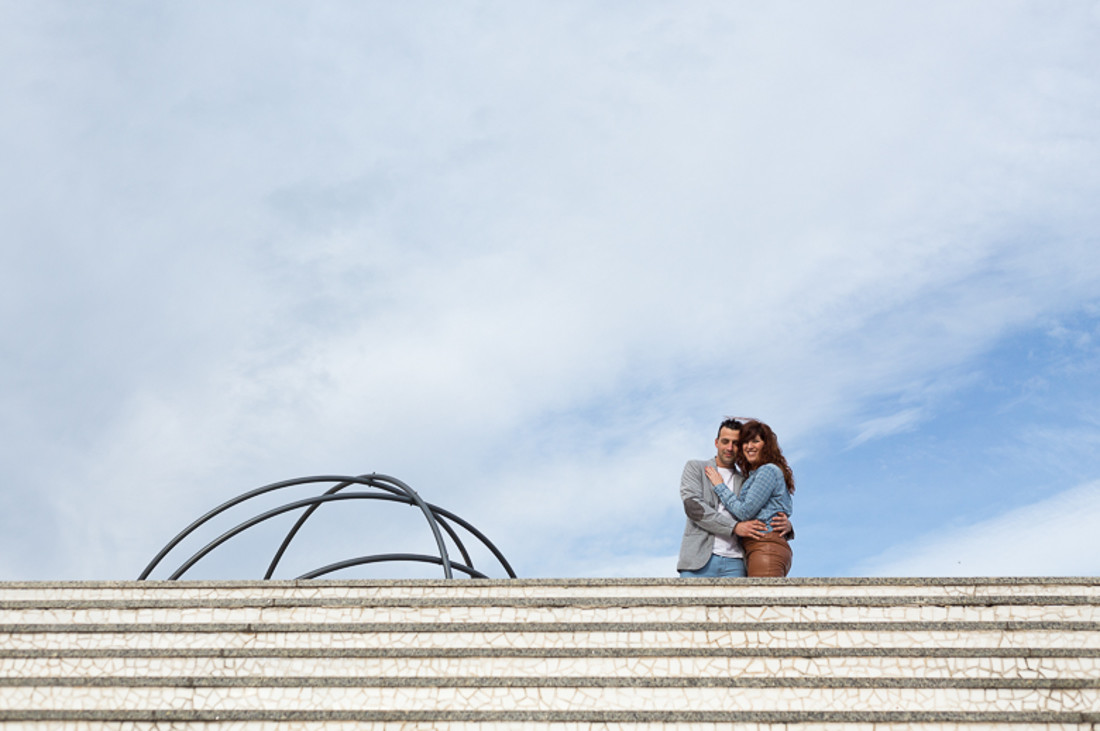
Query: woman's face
753	449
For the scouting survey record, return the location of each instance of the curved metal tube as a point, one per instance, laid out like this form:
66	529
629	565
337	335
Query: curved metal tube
370	480
226	506
298	526
430	517
393	490
454	536
241	527
382	557
479	535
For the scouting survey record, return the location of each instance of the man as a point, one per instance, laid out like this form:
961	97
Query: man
710	547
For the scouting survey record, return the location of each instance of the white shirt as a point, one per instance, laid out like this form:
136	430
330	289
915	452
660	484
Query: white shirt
729	547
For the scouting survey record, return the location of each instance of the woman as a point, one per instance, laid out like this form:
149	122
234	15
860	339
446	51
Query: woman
765	492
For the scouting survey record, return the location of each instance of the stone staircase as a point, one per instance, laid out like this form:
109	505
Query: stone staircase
552	654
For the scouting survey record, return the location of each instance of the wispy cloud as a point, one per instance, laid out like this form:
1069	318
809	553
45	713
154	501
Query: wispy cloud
882	426
1051	537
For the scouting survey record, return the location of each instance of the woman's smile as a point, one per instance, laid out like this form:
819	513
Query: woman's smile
751	450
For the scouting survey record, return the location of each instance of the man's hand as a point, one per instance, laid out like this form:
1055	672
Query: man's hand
750	529
781	525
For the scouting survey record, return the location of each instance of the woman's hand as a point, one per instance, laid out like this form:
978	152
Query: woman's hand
715	478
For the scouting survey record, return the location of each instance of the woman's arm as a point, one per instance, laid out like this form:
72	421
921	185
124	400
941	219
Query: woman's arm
756	490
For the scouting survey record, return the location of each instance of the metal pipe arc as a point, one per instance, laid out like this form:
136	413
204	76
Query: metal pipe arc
454	537
384	557
241	527
442	511
479	535
298	526
430	517
373	480
226	506
397	490
398	487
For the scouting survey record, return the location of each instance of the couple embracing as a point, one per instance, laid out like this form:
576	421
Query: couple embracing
737	506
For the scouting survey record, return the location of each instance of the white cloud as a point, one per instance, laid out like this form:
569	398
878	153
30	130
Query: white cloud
1052	537
885	425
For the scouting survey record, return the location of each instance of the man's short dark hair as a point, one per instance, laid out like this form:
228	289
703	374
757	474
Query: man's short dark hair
730	423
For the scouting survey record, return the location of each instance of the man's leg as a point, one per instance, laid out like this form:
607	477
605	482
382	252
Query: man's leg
731	567
717	566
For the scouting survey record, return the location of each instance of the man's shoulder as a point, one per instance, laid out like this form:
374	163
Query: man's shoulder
694	469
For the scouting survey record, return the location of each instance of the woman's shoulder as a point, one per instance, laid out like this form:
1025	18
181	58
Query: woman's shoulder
771	467
770	472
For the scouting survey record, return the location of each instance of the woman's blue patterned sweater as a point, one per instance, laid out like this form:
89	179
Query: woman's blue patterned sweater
762	495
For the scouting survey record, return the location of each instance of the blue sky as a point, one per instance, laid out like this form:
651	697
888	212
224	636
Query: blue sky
526	256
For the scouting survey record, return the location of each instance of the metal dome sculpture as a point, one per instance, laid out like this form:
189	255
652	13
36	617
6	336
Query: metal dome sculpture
377	487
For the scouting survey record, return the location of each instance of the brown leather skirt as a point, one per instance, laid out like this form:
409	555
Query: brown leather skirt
768	556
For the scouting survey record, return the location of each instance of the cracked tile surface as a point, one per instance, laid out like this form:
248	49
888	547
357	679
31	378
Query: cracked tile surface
810	647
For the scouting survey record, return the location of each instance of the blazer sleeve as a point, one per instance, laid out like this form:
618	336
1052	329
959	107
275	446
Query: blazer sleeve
696	508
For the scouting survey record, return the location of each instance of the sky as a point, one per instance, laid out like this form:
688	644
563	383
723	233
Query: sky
525	257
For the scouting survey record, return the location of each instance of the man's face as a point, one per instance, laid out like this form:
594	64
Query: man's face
726	443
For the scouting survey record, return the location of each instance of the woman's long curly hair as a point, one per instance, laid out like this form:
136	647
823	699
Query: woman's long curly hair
770	452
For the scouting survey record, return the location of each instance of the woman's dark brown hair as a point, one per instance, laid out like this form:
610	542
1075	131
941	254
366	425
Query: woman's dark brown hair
769	453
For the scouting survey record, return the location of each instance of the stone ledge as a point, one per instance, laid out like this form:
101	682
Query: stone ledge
396	725
557	652
557	682
626	700
538	627
860	581
651	640
588	666
559	717
582	602
653	589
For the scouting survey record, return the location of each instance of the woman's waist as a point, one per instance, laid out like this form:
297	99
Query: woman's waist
772	508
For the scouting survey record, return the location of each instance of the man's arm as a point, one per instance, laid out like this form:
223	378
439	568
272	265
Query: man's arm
696	509
751	529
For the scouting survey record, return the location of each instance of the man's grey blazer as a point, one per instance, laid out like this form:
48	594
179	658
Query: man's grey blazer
703	519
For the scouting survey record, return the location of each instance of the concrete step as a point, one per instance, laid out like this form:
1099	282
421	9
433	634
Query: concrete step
654	636
977	664
715	695
403	720
622	654
1030	589
520	591
614	611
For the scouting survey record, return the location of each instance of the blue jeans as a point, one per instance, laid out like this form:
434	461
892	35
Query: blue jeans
717	566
